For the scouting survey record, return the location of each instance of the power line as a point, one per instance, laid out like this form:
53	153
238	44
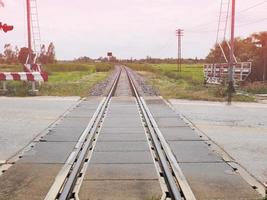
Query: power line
251	7
238	25
257	21
213	22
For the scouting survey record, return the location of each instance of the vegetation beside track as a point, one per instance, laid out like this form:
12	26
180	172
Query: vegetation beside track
187	84
65	79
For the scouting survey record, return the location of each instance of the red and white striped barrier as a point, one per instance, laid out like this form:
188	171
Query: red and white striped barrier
23	76
32	68
218	73
32	73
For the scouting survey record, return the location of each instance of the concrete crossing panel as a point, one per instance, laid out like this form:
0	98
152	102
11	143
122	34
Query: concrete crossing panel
121	146
179	133
122	122
81	113
64	134
72	122
121	172
28	181
120	190
193	151
48	152
170	122
122	137
122	158
122	130
211	181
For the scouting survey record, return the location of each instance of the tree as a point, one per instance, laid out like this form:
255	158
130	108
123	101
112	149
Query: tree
83	59
23	55
9	54
43	56
51	56
260	40
253	48
48	56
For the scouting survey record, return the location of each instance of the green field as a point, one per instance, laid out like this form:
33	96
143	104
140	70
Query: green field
76	79
65	79
187	84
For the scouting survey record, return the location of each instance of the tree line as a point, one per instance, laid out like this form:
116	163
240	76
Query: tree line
250	49
14	55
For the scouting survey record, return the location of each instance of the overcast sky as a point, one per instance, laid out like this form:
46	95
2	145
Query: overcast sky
129	28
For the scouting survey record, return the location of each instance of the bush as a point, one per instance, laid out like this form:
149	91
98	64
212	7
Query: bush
67	67
143	67
103	67
220	91
256	88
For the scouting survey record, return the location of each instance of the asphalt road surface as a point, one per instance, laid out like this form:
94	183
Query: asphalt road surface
240	129
22	119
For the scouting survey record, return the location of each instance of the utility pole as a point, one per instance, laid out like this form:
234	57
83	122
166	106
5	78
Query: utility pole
179	34
29	31
231	88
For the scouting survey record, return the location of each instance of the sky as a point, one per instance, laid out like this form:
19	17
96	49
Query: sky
129	29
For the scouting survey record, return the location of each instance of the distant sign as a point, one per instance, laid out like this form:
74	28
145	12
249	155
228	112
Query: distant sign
109	54
218	73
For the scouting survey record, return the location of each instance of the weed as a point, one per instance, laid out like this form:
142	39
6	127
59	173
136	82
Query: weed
187	84
103	67
65	79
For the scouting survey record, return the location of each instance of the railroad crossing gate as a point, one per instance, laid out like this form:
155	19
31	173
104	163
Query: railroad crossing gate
217	73
33	72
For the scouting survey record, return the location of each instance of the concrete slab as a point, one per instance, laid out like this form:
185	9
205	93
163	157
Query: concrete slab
118	100
122	158
48	152
123	114
64	134
93	98
179	133
153	100
162	111
240	129
217	181
159	108
72	122
122	130
28	181
122	137
193	151
111	121
22	119
122	104
121	146
81	113
121	172
169	122
124	111
120	190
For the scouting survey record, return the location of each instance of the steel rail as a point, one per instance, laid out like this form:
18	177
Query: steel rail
70	183
177	171
181	179
67	177
171	182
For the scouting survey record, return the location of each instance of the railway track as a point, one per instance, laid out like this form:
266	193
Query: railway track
68	182
133	147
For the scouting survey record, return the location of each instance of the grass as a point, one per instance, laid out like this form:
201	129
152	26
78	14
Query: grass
79	84
255	88
65	79
187	84
10	68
